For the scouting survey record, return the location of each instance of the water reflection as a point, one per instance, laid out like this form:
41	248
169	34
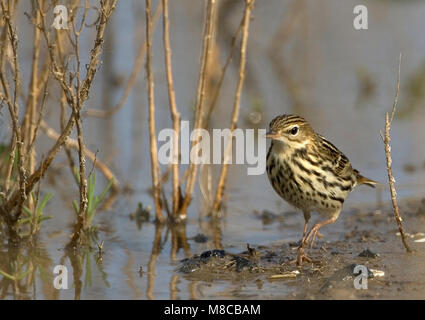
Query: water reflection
20	267
24	267
156	250
82	261
214	229
130	275
175	238
178	241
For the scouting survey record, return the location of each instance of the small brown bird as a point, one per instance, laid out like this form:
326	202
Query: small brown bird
309	172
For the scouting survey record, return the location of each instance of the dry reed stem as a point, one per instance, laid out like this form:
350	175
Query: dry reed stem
236	106
63	101
40	116
30	115
131	80
10	165
386	139
9	169
175	115
81	220
152	132
206	53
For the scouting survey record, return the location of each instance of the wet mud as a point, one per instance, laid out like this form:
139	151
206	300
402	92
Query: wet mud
370	239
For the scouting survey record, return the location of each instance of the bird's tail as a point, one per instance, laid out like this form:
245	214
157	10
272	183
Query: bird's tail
364	180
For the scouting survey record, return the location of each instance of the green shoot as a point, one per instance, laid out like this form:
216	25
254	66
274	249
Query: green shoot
35	217
93	200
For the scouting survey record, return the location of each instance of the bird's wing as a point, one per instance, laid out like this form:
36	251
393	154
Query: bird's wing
339	162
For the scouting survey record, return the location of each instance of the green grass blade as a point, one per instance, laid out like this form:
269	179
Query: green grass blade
25	220
100	198
8	276
41	219
76	208
27	211
43	203
91	189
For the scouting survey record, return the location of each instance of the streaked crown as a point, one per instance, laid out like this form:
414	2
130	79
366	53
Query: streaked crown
290	128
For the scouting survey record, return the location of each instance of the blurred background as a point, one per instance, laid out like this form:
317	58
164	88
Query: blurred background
303	57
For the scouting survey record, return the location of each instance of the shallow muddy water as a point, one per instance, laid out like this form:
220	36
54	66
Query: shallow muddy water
345	82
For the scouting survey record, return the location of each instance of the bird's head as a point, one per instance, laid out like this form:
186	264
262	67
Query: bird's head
291	130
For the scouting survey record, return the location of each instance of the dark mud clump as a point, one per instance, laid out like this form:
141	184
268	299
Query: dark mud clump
218	261
199	238
368	254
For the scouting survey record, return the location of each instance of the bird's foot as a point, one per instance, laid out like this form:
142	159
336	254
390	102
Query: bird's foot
301	257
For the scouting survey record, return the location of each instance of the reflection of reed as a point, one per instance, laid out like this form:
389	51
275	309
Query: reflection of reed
77	269
173	287
81	261
179	240
192	290
213	228
19	267
217	234
156	250
129	272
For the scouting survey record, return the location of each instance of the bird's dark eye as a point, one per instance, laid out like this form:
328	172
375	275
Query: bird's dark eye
294	130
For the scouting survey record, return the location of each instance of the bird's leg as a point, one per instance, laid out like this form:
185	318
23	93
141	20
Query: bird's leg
313	231
307	219
301	251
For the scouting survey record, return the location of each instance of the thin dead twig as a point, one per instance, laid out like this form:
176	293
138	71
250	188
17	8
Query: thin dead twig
386	139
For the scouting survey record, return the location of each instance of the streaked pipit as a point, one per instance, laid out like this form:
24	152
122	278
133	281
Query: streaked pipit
309	172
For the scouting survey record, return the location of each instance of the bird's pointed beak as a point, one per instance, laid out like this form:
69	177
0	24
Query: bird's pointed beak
271	135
